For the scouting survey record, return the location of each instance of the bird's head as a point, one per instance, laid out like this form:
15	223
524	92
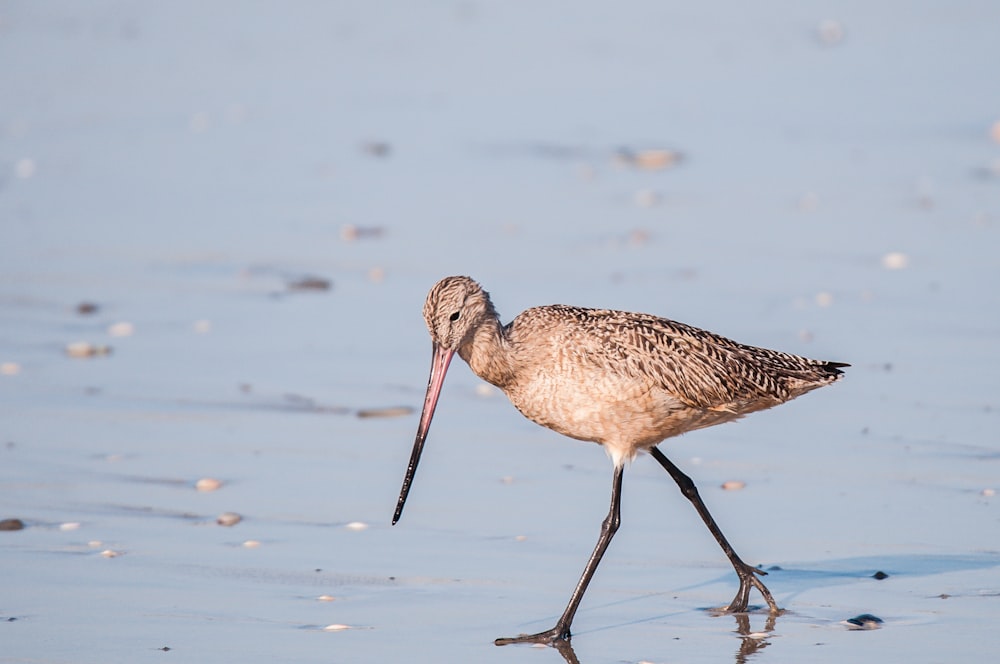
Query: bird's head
454	308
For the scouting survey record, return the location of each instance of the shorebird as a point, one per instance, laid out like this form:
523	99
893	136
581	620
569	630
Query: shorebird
626	381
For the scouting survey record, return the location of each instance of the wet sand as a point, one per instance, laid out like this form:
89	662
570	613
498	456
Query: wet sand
255	201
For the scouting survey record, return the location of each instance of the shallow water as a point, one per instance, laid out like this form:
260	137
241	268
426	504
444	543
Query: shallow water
181	166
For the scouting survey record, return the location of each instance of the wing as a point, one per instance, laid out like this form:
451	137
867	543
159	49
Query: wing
699	368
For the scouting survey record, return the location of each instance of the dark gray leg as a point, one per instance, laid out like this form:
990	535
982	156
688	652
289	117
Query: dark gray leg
560	633
747	574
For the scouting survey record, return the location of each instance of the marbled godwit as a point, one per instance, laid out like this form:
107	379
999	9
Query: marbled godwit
626	381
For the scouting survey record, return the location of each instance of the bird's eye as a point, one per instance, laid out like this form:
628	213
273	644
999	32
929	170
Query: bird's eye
454	316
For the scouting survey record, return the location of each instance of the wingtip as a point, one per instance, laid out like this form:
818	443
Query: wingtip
834	369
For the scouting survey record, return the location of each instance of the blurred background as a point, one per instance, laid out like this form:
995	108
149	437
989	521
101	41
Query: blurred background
218	223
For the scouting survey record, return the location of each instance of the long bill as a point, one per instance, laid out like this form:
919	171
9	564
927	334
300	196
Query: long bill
439	367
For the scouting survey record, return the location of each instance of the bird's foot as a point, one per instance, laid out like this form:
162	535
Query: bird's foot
552	637
748	578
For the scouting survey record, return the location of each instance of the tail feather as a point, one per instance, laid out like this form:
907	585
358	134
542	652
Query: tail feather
833	368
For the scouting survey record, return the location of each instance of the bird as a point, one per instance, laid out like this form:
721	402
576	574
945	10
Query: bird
627	381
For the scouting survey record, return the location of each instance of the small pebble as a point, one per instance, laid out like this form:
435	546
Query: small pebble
87	308
228	519
326	598
392	411
251	544
824	299
356	525
86	349
895	260
207	484
111	553
864	621
309	283
879	575
376	148
376	275
94	544
11	524
734	485
10	368
69	525
830	32
121	329
995	131
202	326
521	538
986	493
336	628
485	390
638	237
650	159
350	232
507	479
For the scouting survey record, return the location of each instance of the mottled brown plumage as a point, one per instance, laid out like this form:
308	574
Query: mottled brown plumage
624	380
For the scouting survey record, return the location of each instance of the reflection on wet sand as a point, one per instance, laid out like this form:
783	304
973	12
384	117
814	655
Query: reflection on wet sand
567	652
751	642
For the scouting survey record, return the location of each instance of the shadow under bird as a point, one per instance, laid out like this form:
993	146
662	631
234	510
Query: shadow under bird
626	381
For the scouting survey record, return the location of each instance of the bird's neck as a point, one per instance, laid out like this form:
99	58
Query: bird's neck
488	353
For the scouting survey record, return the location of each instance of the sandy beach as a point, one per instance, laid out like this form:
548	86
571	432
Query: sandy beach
219	223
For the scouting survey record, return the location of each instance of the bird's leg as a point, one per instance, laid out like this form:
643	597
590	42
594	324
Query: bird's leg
560	633
748	575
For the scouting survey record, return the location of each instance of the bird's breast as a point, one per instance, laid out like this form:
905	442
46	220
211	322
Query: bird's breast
600	407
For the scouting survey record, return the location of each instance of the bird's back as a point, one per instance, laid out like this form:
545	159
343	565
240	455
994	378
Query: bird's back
597	373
